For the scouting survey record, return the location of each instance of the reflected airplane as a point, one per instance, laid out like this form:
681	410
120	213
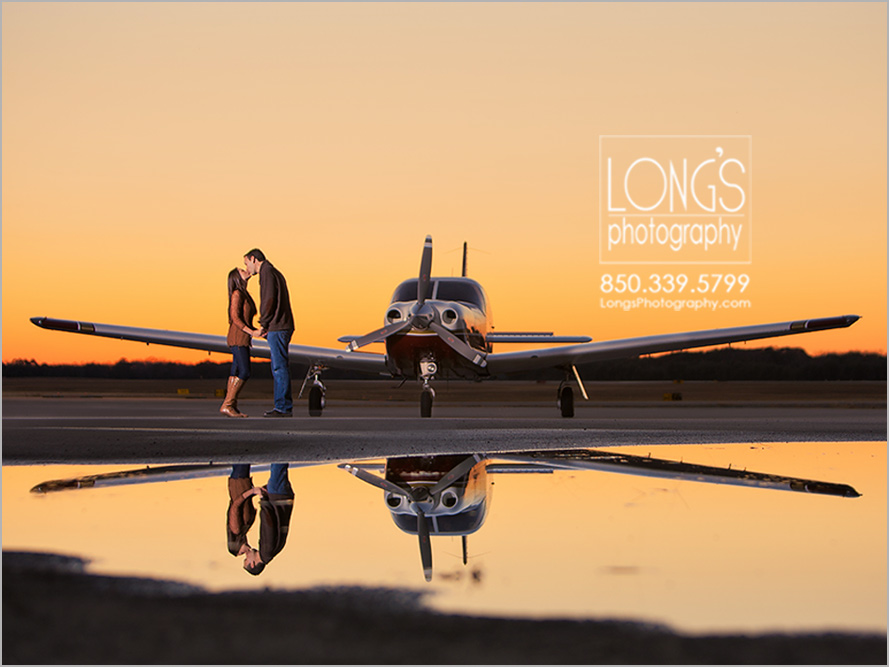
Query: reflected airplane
442	328
450	494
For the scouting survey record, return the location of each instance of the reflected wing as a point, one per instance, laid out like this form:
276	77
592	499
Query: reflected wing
171	473
565	356
149	475
591	459
305	354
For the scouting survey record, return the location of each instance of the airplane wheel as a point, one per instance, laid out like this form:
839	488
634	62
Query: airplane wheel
426	404
566	402
316	402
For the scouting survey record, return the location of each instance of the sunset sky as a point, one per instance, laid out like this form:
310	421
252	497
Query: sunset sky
147	146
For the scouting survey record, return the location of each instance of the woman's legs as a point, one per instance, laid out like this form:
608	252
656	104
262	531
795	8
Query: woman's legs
239	373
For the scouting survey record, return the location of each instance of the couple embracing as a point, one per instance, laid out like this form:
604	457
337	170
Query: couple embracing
275	325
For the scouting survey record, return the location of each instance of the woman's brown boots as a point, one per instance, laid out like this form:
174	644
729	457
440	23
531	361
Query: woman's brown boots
230	404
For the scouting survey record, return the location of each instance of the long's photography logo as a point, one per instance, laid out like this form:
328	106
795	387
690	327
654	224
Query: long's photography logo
675	200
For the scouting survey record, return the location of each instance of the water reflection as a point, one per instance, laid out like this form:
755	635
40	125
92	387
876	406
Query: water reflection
449	495
445	495
574	542
275	511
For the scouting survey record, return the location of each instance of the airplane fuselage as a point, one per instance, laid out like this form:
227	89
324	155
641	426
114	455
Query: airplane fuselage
459	510
460	305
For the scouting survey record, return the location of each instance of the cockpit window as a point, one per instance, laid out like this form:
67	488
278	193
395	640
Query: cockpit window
406	291
459	290
444	289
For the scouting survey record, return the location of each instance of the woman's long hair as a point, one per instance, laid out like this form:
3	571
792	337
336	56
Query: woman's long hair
237	283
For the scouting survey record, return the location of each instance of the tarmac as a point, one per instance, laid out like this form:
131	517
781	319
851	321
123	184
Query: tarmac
369	420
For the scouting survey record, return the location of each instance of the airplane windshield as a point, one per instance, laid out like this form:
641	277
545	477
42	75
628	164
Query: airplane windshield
444	289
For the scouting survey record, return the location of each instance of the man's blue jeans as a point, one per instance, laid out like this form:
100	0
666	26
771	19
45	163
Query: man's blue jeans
279	342
279	481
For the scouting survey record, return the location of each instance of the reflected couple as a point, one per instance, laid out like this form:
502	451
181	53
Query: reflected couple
275	511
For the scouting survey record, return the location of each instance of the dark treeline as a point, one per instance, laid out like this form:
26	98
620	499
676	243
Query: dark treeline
722	364
738	364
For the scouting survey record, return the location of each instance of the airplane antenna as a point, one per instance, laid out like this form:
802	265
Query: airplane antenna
465	549
465	248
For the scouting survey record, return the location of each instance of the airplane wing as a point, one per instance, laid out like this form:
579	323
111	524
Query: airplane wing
304	354
603	460
568	355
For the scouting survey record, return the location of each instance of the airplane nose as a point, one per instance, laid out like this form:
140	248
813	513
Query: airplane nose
422	315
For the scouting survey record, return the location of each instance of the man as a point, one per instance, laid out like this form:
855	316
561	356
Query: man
276	325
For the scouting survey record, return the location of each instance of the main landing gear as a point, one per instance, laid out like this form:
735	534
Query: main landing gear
316	391
566	400
566	394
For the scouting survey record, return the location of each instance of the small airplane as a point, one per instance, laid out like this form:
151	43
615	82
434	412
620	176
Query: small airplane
442	328
449	494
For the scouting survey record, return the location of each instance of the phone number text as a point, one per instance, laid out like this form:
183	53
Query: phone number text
668	283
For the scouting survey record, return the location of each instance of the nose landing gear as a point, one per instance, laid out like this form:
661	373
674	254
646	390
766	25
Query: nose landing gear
428	369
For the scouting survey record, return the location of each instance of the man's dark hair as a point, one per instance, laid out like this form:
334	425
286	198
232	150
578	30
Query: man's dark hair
256	254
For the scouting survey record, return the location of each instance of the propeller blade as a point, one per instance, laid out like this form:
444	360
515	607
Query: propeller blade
455	473
378	335
425	544
425	272
378	482
464	350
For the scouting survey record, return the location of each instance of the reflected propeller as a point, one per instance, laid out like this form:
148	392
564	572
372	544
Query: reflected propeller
422	316
420	498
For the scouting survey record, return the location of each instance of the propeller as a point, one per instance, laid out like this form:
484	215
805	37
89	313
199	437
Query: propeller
464	350
421	499
455	473
379	482
422	316
425	272
425	544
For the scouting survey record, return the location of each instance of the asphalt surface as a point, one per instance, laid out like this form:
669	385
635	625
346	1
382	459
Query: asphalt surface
66	428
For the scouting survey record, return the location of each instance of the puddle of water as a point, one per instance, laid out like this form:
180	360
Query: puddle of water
699	557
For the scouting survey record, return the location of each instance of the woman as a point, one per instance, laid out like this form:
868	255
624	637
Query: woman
241	311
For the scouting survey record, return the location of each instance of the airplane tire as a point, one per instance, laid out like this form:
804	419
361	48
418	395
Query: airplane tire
566	402
316	402
426	404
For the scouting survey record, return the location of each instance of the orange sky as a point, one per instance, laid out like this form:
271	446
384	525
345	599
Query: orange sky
147	146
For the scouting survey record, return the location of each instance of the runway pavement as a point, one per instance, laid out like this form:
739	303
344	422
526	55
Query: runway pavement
66	429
